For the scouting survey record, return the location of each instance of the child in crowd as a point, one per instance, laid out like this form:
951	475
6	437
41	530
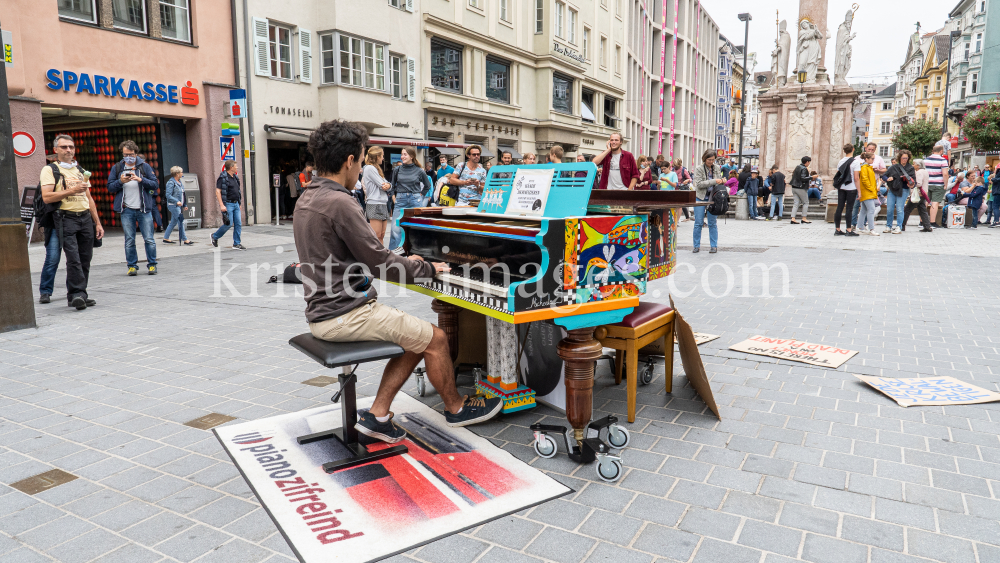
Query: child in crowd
868	193
668	178
975	202
733	183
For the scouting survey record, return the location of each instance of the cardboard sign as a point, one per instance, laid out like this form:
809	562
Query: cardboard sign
656	348
529	193
910	391
795	350
691	359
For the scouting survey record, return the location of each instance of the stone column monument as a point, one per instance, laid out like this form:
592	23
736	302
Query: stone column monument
814	118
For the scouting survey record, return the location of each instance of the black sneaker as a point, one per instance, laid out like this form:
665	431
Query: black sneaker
474	409
215	242
45	298
79	302
385	431
90	302
239	247
852	234
838	233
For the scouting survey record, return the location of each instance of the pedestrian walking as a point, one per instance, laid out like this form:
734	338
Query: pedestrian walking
229	197
409	184
750	188
900	178
777	193
867	183
619	171
74	220
937	171
800	190
176	206
470	177
918	198
995	194
847	191
683	183
135	188
376	192
707	179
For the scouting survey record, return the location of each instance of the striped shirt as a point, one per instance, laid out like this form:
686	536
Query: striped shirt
935	165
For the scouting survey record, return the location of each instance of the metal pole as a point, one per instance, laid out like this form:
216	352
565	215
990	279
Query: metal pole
17	310
743	88
947	83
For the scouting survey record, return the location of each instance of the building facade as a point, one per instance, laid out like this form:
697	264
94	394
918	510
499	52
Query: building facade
104	74
975	65
724	96
689	92
930	86
910	70
881	123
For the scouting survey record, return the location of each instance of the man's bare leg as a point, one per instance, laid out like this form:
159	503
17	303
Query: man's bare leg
934	213
439	370
397	371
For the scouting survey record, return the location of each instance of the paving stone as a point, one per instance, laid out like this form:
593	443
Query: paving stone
609	527
809	519
939	547
606	498
457	548
843	501
607	553
710	523
875	486
769	537
501	555
969	527
673	544
768	466
822	476
828	550
87	547
936	498
960	483
697	494
712	551
869	532
556	545
565	514
651	509
735	479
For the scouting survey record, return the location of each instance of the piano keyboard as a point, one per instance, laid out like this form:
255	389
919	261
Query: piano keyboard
468	283
469	290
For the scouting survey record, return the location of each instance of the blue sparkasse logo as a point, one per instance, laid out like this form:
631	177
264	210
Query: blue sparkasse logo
119	87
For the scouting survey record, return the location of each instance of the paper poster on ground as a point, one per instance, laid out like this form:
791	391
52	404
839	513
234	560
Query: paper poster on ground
916	391
795	350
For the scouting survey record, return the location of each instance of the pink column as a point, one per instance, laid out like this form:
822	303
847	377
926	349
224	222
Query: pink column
673	83
663	60
694	111
642	80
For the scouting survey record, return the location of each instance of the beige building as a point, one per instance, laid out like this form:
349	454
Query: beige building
312	61
523	75
881	126
695	88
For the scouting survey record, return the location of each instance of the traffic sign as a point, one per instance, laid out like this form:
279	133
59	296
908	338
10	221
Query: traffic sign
227	148
24	144
7	39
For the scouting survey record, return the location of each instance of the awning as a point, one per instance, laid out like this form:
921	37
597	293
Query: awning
513	152
387	141
587	112
449	151
747	152
487	153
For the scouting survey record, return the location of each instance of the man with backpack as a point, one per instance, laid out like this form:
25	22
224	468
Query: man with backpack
847	192
800	190
777	193
65	205
135	188
708	183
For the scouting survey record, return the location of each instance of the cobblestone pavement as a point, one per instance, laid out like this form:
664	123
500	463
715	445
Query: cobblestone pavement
806	463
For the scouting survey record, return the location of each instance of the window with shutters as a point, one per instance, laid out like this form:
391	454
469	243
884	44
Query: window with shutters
446	66
397	3
129	14
81	10
396	76
497	80
362	63
175	20
279	41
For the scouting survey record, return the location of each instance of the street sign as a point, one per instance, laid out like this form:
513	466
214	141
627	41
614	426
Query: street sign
7	38
277	180
24	144
227	148
230	129
236	106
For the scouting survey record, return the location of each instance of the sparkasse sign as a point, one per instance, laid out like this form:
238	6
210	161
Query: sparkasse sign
118	87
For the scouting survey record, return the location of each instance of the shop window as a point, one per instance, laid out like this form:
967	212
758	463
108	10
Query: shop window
129	14
396	76
446	66
587	106
83	10
362	63
175	20
280	51
562	94
497	80
610	112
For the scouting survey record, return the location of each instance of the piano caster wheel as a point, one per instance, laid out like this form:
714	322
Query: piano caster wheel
421	382
646	375
618	436
545	446
609	467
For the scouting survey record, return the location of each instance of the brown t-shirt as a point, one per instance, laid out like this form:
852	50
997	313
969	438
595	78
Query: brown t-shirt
330	225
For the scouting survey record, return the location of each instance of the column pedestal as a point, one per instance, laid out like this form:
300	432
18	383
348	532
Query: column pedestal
579	350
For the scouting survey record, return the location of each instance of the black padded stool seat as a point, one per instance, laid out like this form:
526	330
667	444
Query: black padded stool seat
337	354
344	355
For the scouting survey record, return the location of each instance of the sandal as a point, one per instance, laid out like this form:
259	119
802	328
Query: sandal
793	222
188	242
168	241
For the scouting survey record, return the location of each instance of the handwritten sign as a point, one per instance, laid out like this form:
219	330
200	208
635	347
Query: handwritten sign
795	350
910	391
530	192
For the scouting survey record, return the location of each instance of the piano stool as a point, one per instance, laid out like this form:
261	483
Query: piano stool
344	355
648	323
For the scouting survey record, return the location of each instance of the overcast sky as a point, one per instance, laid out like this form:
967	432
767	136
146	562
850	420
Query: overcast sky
882	27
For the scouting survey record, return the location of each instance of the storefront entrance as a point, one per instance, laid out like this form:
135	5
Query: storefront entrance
284	158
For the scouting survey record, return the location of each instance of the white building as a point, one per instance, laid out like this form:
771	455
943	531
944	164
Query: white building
881	123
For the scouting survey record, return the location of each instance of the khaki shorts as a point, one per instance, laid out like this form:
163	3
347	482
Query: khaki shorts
936	193
375	321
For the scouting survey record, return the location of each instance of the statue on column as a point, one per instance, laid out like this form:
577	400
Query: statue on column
844	38
809	50
779	57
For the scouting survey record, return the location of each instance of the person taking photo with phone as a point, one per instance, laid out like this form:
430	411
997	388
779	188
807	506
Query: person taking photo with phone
135	188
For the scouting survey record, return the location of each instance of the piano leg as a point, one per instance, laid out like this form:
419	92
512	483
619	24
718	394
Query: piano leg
579	350
448	322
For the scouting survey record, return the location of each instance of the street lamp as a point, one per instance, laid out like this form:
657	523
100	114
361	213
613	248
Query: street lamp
947	81
745	18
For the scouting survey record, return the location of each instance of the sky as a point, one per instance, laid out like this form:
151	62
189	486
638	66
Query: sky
882	29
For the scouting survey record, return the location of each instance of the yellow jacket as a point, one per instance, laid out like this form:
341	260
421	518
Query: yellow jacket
869	185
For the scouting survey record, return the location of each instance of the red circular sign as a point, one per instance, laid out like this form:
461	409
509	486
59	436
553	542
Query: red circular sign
24	144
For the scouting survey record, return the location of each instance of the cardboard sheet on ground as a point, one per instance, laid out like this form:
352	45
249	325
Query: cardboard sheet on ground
795	350
916	391
691	359
449	481
656	348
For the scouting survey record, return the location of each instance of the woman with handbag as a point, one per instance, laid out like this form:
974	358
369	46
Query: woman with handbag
707	178
918	198
900	178
376	192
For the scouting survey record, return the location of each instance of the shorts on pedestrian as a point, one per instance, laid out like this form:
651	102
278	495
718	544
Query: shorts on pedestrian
377	212
375	321
936	193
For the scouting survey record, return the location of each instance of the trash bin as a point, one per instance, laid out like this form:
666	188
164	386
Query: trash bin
742	207
192	196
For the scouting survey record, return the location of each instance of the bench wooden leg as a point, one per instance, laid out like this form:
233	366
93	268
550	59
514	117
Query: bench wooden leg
619	356
668	357
632	358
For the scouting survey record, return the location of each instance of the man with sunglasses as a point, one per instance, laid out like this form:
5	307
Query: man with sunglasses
75	224
470	177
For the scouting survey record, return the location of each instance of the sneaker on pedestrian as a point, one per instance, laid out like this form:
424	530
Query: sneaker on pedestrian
44	298
887	229
874	233
90	302
215	242
239	247
695	250
79	302
385	431
896	231
838	233
474	409
853	234
132	271
713	250
152	269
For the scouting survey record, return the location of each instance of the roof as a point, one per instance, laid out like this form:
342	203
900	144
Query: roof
942	44
888	92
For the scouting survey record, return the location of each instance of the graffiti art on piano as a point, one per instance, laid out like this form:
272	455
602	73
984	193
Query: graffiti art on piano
607	257
662	242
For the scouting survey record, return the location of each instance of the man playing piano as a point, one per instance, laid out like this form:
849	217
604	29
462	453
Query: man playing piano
338	250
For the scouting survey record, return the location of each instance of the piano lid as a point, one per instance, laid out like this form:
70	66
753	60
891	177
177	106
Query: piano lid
538	190
649	199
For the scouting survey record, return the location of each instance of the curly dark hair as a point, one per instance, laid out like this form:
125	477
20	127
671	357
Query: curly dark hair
334	141
130	145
